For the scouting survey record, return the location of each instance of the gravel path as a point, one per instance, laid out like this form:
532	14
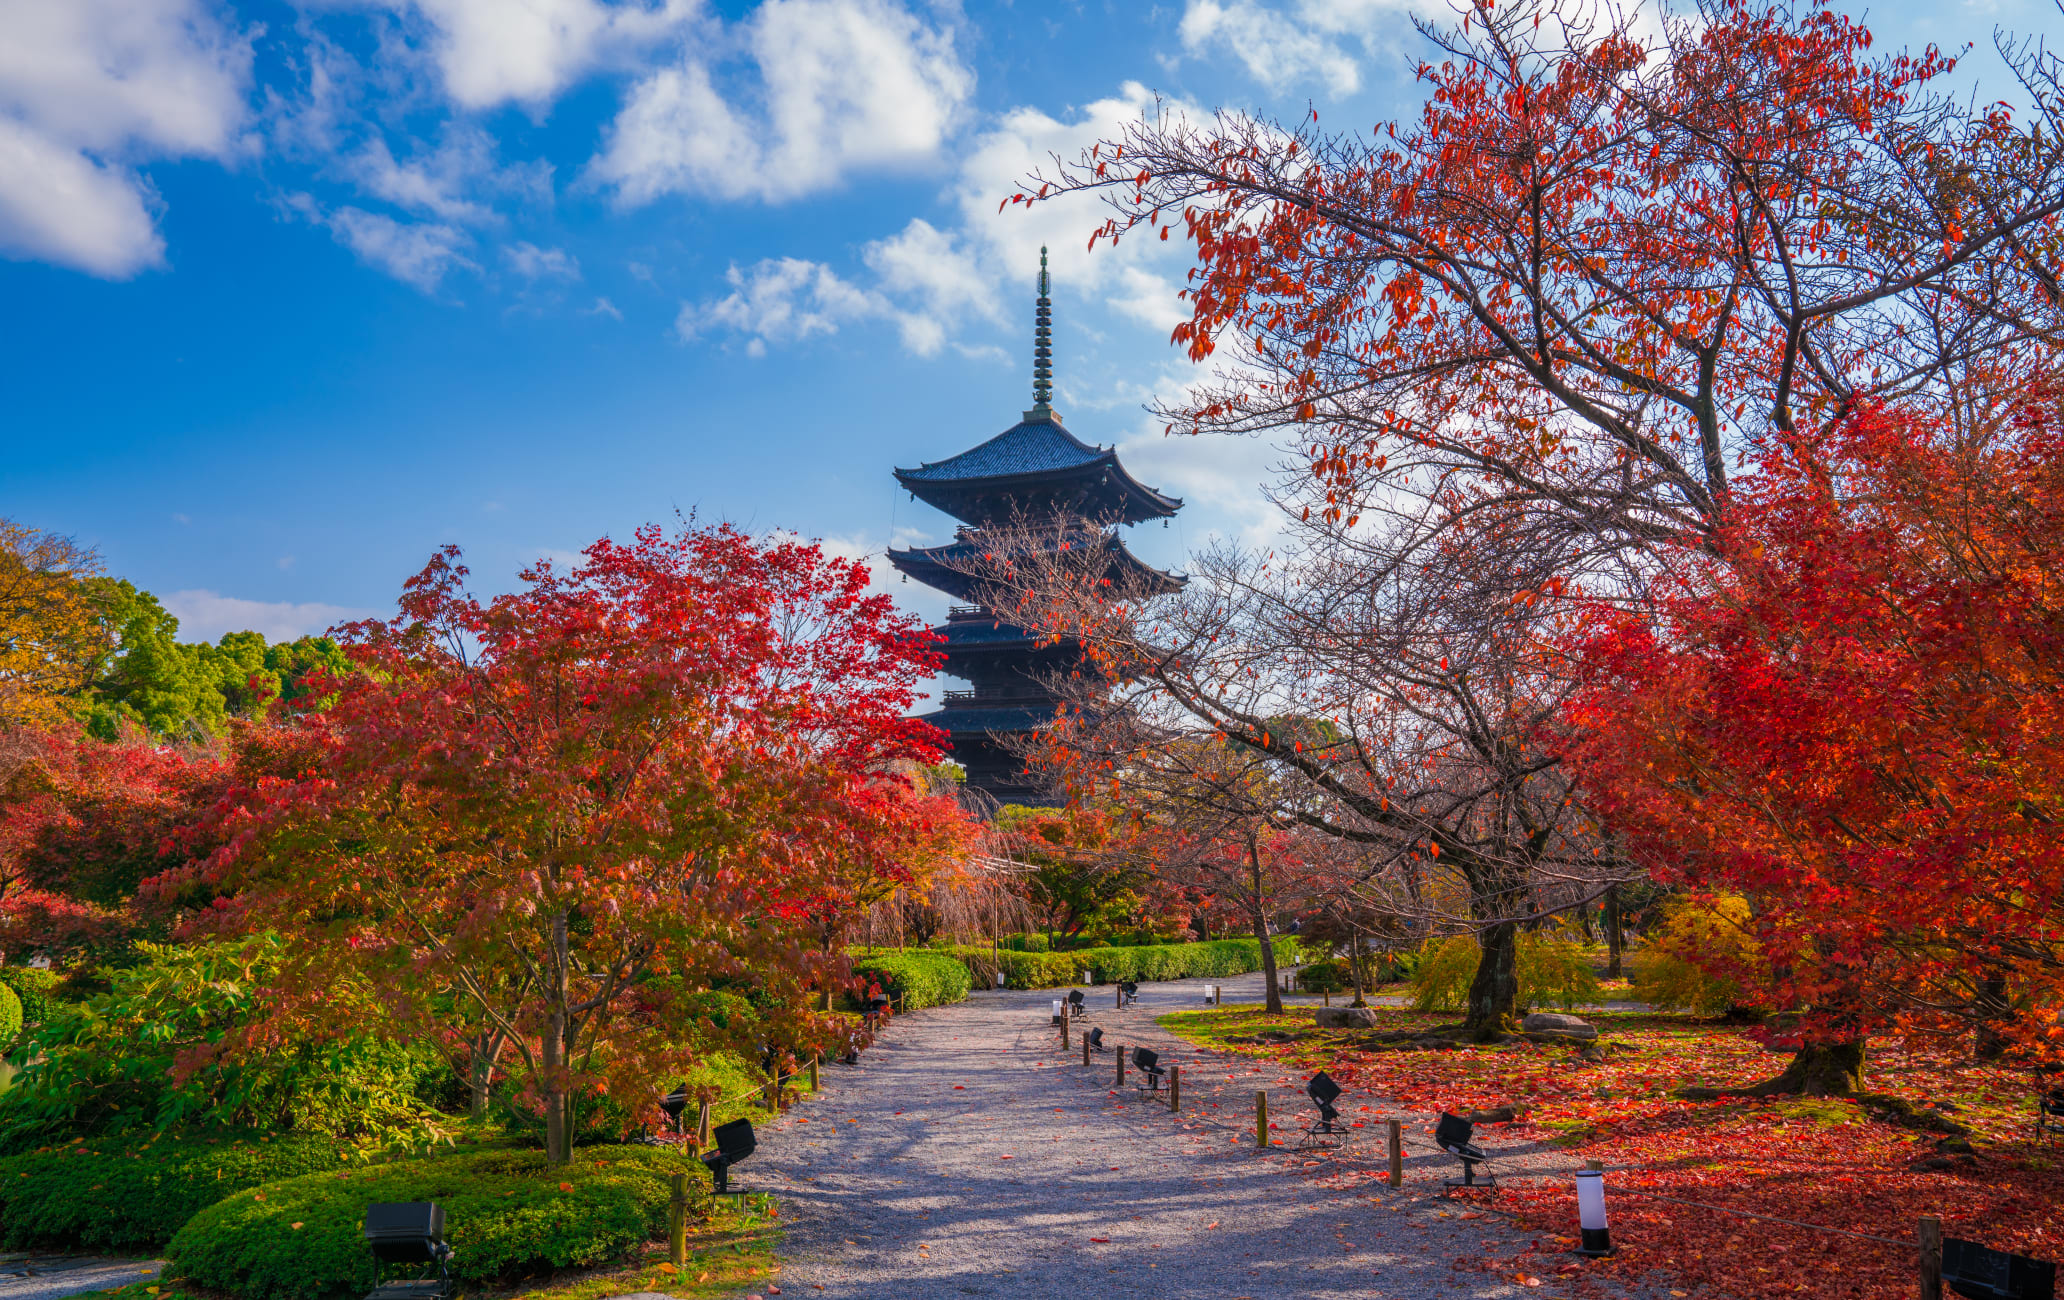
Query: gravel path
47	1277
966	1155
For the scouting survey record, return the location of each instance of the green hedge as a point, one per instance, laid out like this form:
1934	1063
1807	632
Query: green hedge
10	1015
129	1198
916	979
506	1214
37	989
1151	962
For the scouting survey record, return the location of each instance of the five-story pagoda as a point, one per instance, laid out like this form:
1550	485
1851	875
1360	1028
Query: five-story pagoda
1033	480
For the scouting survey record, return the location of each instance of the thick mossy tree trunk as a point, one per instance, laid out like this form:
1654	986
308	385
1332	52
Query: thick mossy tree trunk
1494	993
1818	1070
1992	1008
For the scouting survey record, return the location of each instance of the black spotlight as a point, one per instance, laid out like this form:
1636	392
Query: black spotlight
409	1232
1453	1135
734	1143
1326	1130
1982	1273
1095	1039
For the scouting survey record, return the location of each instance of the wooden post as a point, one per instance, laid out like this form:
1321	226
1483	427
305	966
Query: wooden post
1397	1152
1261	1119
702	1126
813	1071
1117	998
1064	1026
1085	1049
1175	1088
1121	1065
677	1222
1931	1257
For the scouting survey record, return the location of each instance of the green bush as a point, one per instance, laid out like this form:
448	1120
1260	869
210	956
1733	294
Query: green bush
37	989
10	1015
1551	970
506	1214
1324	976
917	979
129	1198
1148	962
104	1067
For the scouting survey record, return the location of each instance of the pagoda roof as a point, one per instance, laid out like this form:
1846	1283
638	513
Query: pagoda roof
946	567
962	721
1028	466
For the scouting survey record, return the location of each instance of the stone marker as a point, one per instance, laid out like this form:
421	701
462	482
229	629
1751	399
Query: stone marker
1345	1017
1553	1025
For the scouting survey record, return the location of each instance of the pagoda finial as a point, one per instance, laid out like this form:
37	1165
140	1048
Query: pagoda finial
1042	349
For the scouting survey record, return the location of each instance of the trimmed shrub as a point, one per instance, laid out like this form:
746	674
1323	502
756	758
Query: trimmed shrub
917	979
129	1198
1149	962
37	989
507	1214
10	1015
1326	976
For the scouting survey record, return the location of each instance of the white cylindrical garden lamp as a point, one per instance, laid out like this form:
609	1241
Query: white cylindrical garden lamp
1595	1236
1059	1007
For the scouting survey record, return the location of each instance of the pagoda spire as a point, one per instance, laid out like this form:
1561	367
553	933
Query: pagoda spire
1042	349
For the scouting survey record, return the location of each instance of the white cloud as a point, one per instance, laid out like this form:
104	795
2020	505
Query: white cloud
1288	47
843	86
534	263
207	615
450	181
603	307
492	52
1025	140
927	284
781	300
417	253
1149	299
88	90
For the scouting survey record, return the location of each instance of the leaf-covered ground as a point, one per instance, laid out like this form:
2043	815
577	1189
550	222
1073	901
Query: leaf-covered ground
1822	1162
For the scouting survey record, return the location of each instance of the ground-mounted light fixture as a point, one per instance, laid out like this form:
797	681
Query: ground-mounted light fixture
404	1233
1982	1273
734	1143
1060	1009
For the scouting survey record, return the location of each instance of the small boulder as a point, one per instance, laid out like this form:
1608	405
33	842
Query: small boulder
1552	1025
1344	1017
1495	1115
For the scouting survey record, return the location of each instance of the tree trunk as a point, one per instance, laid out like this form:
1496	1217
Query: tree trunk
1261	930
1354	967
1991	1006
1817	1070
481	1075
1614	943
558	1133
1494	993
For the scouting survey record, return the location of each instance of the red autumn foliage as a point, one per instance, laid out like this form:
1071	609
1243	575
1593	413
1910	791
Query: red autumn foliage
82	825
548	822
1849	711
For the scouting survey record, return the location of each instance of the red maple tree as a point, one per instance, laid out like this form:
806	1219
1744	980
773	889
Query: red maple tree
1848	709
551	823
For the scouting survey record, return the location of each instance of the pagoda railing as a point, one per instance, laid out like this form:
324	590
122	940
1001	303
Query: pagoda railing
997	697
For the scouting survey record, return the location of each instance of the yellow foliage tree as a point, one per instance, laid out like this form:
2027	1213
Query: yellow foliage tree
51	634
1686	964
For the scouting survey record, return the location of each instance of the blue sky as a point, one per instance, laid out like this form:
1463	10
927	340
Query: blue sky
297	292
